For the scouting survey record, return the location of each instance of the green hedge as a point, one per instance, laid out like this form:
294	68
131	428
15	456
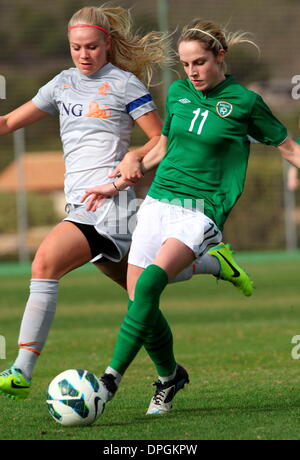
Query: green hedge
40	211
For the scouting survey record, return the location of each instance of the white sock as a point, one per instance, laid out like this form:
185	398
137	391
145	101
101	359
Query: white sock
185	275
25	362
118	377
205	265
167	379
36	323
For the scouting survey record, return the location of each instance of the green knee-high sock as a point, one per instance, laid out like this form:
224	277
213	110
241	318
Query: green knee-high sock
159	345
141	319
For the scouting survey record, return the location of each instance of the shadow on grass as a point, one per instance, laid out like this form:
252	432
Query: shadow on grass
241	409
202	411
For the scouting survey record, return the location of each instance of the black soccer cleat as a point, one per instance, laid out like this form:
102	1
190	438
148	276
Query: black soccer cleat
108	387
161	402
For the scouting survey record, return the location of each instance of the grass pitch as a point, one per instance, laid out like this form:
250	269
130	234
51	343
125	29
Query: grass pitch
244	382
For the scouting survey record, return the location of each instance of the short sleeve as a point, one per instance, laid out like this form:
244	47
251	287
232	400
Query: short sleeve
264	126
45	98
138	100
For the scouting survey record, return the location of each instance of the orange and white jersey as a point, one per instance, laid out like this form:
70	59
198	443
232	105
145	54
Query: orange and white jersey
96	115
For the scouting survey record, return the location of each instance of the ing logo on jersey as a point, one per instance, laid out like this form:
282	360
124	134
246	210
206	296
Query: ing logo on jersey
104	89
97	111
224	108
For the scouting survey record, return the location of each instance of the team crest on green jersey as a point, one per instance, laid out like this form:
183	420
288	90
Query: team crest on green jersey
224	108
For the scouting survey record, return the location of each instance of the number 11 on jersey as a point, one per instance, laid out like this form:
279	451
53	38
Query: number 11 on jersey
204	116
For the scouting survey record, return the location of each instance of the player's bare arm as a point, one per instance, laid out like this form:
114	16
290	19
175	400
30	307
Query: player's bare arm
155	156
23	116
100	192
149	162
290	151
130	166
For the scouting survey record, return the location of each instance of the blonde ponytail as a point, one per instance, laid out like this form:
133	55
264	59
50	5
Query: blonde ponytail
213	36
238	38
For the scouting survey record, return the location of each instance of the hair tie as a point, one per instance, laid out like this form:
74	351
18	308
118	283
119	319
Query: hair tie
210	35
89	25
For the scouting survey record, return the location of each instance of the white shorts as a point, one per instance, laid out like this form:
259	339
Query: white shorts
158	221
112	220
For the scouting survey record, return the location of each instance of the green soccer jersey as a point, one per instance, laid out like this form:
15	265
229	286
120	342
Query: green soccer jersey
208	147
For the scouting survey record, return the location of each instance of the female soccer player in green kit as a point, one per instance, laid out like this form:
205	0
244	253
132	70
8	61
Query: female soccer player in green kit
97	102
203	155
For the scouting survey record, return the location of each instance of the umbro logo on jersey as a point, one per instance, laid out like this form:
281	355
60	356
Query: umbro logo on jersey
184	101
224	108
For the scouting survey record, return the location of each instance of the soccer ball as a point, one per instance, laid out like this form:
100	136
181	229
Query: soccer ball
74	398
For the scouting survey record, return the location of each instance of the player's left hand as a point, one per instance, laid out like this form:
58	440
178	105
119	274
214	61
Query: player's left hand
97	195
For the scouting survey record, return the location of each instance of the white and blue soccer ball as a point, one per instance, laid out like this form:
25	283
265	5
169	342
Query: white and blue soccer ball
74	398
